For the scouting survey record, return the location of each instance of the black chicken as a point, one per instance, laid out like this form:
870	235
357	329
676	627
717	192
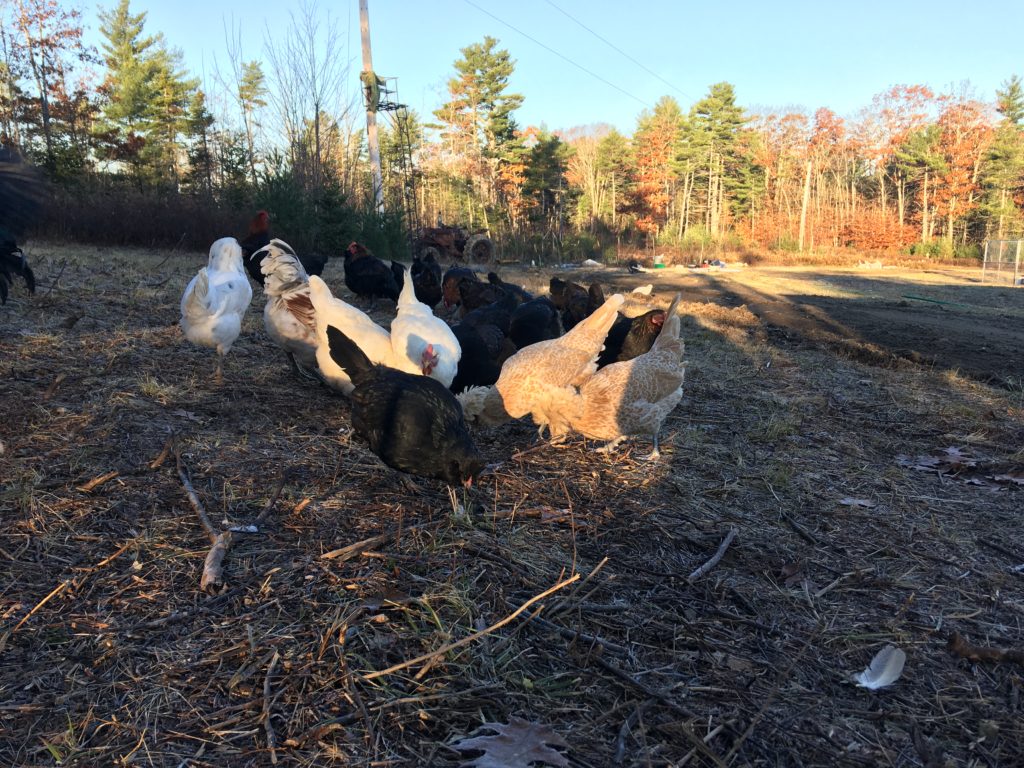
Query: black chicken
368	276
478	366
426	279
521	293
575	302
533	321
259	237
22	193
411	422
450	284
631	337
498	313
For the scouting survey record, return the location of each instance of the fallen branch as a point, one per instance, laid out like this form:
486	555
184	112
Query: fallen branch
960	647
470	638
353	550
715	558
98	481
56	591
213	565
267	725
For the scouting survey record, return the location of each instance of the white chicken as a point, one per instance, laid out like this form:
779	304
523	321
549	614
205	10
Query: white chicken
288	315
215	301
355	324
418	336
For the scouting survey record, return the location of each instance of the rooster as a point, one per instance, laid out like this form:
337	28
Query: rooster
259	237
412	423
215	301
450	284
419	336
289	316
634	397
542	379
367	276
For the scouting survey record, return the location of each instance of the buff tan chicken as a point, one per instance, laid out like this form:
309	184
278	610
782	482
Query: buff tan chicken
634	397
542	380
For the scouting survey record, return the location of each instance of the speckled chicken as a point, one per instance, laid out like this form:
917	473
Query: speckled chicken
289	316
542	379
634	397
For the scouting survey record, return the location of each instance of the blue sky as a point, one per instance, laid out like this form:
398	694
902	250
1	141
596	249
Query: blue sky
778	55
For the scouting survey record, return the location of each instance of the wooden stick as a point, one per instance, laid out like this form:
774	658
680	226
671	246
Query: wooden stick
273	499
213	565
267	725
470	638
53	593
193	497
97	481
715	558
965	650
352	550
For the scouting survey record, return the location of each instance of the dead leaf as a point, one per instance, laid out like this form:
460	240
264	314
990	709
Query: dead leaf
849	502
515	745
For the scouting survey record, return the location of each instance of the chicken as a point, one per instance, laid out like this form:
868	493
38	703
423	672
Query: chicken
288	315
521	293
377	343
412	423
533	321
13	263
634	397
22	194
426	276
259	237
215	301
419	336
450	284
474	294
574	301
498	313
367	276
484	349
631	337
542	379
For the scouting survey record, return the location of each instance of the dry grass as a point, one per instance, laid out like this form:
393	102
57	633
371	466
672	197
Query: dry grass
127	662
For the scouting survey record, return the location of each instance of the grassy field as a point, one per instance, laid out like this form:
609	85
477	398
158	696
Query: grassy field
812	396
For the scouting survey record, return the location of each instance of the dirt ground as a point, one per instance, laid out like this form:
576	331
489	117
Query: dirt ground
819	414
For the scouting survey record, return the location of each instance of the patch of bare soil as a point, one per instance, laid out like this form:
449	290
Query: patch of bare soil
657	654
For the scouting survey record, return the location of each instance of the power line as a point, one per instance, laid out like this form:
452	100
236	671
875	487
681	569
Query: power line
560	55
616	48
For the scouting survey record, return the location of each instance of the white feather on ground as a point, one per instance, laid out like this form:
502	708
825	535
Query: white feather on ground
288	316
216	299
885	669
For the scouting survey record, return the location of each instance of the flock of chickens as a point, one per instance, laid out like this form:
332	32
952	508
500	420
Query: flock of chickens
415	388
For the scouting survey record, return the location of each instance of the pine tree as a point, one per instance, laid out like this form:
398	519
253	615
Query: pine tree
655	148
200	152
252	90
714	135
1003	177
478	125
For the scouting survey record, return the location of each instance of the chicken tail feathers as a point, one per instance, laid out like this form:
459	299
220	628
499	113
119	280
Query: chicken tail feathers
347	354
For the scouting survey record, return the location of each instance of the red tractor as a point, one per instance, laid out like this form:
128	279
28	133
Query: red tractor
455	243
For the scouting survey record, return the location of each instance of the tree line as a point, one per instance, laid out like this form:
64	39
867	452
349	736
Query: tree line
138	151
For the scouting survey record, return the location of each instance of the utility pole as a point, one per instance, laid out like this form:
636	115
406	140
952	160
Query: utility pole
371	93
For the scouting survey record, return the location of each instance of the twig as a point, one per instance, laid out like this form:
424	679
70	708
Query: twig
197	505
164	453
965	650
572	634
470	638
689	755
627	727
668	702
352	550
53	593
560	606
50	390
800	531
273	500
213	565
56	280
715	558
267	725
97	481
